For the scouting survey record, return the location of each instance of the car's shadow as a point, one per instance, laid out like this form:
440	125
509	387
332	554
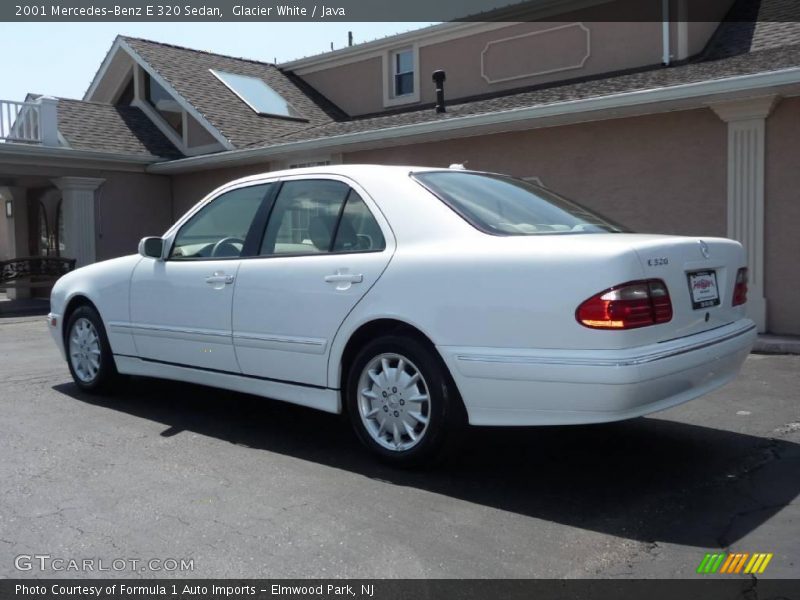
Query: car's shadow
650	480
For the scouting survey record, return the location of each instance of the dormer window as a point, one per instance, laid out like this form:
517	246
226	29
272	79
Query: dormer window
164	104
258	95
401	76
403	72
127	95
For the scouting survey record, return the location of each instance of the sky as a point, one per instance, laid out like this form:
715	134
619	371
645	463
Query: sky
60	59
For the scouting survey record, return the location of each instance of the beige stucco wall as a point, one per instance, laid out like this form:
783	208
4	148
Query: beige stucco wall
128	207
782	218
5	224
355	88
612	47
564	49
657	173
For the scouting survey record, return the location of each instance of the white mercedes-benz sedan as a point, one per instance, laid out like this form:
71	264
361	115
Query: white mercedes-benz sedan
415	300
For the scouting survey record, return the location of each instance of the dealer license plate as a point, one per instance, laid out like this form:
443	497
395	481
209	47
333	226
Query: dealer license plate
703	288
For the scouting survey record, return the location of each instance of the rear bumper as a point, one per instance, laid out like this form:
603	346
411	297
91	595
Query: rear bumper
505	386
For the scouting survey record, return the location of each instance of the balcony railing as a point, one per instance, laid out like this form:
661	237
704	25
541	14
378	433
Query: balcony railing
30	122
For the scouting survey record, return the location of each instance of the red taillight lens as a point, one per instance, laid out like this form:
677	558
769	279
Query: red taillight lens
627	306
740	289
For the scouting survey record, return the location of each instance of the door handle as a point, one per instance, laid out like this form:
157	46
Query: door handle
220	278
344	278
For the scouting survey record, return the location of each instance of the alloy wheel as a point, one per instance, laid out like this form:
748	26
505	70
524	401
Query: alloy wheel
394	402
84	350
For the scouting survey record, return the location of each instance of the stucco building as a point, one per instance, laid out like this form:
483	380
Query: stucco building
669	127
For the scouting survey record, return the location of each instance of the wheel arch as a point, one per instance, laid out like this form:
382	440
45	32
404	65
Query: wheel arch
374	328
75	302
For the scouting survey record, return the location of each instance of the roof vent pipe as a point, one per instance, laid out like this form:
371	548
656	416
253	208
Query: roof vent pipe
438	78
665	27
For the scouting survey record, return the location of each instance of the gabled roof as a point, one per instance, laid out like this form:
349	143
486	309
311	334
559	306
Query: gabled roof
188	72
738	51
113	129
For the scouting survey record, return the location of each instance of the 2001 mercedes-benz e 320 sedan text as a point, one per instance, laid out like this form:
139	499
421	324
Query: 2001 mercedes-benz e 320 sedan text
415	300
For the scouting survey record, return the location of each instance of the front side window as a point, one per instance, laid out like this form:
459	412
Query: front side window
502	205
220	228
315	216
164	104
403	71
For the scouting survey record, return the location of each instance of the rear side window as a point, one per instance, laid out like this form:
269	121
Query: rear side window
358	230
314	216
502	205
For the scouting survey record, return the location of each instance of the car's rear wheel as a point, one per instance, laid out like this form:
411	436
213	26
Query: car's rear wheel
89	356
402	402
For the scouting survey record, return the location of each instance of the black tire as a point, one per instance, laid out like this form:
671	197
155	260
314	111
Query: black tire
446	414
106	375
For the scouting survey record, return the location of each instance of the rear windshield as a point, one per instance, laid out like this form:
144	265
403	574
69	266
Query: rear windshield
502	205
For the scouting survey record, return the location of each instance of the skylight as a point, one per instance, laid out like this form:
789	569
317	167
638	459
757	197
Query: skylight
258	95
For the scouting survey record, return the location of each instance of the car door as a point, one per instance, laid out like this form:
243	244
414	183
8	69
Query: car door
181	306
325	244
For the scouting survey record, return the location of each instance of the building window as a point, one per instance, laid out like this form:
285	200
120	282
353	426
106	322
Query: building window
165	105
127	95
312	163
403	72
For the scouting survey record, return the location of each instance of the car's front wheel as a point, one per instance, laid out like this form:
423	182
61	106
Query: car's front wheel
89	356
402	402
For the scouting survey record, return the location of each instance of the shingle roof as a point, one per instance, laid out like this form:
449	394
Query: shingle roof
752	26
769	42
737	48
187	71
113	129
707	70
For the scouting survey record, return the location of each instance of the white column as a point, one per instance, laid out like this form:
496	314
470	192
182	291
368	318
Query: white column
78	195
746	121
48	120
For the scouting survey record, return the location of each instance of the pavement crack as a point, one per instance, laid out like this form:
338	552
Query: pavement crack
751	592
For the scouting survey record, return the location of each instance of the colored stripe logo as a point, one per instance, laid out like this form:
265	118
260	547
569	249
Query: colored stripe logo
740	562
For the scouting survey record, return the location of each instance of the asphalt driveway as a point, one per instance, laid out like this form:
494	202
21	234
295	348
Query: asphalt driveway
246	487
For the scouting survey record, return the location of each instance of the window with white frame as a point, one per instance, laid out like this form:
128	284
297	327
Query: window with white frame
311	163
403	72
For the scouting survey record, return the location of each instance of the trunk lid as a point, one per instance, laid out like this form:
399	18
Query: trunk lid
693	270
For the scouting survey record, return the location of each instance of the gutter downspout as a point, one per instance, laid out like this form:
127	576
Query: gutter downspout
666	57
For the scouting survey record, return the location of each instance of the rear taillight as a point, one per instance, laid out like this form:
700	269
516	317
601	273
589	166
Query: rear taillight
740	289
627	306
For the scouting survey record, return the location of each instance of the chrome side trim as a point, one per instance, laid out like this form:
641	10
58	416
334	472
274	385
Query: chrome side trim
165	331
286	343
248	340
610	362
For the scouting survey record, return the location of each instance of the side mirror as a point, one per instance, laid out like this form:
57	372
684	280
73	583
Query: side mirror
151	247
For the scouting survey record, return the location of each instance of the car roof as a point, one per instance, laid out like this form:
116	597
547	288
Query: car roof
353	170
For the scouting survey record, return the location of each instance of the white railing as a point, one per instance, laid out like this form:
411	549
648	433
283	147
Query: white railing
30	122
20	122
